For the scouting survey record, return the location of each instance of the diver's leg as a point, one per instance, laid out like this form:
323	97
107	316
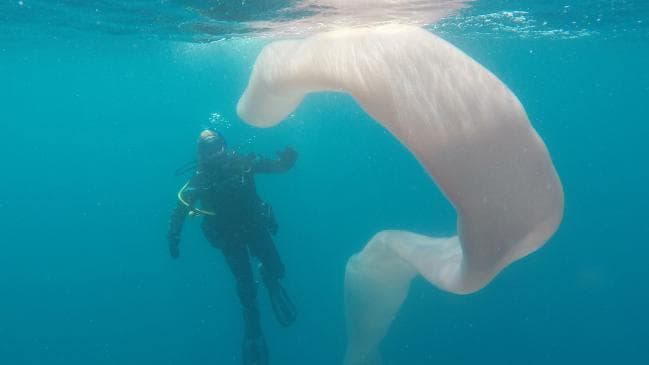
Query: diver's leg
236	255
272	270
263	247
254	346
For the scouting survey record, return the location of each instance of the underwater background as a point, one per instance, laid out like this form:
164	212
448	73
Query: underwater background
101	101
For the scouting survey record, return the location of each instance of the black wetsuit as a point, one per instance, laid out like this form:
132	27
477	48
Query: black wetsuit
241	223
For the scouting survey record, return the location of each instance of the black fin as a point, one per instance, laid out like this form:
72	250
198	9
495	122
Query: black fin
254	351
284	309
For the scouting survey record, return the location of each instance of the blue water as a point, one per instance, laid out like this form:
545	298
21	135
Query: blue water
94	121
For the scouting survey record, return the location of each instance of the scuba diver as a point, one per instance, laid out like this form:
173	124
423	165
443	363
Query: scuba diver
240	224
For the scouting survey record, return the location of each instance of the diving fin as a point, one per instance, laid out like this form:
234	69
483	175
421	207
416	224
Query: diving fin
284	309
254	351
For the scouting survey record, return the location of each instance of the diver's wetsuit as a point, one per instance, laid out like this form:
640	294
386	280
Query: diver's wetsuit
241	222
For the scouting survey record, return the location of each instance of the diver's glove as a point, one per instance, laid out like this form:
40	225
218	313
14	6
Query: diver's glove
174	241
287	157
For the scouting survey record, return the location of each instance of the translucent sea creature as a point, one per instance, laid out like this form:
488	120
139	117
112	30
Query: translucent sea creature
464	126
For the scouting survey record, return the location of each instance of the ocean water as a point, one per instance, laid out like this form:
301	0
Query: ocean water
100	102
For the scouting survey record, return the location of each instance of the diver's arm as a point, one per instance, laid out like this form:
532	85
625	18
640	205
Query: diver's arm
286	160
178	216
175	228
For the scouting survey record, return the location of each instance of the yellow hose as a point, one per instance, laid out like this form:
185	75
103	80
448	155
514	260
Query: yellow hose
193	212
